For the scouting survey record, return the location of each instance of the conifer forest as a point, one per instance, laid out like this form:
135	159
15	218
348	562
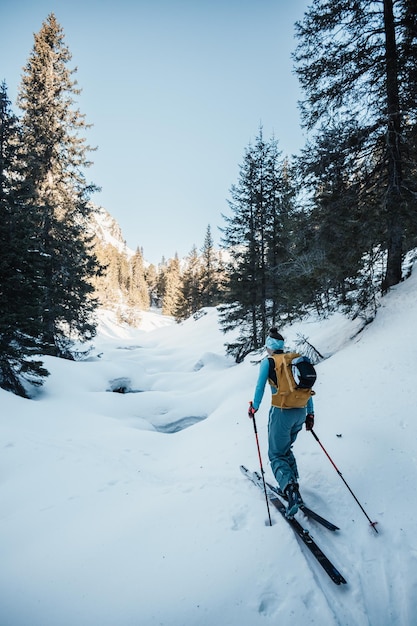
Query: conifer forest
332	228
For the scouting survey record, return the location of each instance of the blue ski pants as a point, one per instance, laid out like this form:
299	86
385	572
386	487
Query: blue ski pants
283	428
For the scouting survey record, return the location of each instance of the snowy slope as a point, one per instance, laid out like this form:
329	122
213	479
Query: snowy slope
130	510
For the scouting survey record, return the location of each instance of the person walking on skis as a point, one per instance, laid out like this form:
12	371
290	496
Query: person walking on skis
284	424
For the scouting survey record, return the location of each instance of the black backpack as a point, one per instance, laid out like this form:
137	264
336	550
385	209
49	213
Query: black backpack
303	372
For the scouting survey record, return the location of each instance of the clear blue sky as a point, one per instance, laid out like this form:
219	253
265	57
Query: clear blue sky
175	90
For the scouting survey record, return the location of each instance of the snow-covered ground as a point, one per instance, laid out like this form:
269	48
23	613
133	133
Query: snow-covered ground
129	509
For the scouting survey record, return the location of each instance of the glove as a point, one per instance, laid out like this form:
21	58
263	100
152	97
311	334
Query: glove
309	421
251	410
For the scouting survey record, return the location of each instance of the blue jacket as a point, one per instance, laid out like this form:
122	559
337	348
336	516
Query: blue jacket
260	387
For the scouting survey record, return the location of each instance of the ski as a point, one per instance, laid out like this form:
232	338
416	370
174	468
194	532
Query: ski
306	510
299	530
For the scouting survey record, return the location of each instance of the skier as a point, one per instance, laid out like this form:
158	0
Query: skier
284	424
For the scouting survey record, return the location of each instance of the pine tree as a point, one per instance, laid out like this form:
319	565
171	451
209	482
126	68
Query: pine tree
258	240
341	233
151	279
138	289
20	289
189	298
281	294
55	156
356	64
170	286
211	272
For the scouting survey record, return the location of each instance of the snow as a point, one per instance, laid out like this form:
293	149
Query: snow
129	509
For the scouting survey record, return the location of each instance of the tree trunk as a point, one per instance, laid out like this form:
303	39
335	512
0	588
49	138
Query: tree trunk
395	230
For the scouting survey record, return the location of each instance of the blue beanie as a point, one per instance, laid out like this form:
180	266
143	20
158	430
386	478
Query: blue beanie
274	344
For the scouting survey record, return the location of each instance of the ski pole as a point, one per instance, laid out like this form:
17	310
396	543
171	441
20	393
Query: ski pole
252	416
373	524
